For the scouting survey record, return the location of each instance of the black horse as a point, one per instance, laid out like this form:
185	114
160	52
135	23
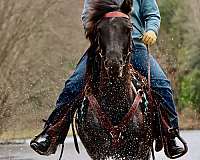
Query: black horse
114	120
118	113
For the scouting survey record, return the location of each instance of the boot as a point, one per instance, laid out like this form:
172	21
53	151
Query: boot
172	149
43	144
46	143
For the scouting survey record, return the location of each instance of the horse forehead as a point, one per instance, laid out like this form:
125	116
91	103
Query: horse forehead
114	21
112	25
110	21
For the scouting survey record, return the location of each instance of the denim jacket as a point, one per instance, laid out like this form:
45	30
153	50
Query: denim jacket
145	16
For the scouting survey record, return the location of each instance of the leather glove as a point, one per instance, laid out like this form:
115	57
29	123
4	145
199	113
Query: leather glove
149	37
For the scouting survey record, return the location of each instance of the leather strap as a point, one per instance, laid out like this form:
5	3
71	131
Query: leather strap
149	69
116	14
150	97
115	131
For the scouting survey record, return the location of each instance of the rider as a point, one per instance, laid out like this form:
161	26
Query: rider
145	18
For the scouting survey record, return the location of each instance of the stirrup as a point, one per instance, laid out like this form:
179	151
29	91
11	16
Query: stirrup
175	133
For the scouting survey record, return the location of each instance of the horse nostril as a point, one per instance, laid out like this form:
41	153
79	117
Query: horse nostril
121	62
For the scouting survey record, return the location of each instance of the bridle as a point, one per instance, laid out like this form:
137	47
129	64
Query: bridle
114	130
116	14
99	49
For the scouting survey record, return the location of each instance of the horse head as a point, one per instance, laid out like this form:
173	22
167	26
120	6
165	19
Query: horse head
110	30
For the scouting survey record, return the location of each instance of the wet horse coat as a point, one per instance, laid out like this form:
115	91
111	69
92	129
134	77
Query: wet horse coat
113	121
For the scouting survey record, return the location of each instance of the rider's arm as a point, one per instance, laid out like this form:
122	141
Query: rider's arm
151	15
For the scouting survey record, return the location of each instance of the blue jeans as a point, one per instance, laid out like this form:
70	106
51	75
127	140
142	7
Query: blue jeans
159	82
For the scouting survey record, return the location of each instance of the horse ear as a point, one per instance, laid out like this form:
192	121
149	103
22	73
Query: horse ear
126	6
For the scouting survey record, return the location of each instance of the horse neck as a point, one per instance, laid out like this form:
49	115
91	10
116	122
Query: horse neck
117	91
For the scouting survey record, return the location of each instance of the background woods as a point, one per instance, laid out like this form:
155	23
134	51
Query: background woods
19	25
41	42
180	34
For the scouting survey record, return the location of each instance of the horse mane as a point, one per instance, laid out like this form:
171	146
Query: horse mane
97	9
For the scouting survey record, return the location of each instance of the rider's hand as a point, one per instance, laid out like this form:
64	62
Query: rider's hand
149	37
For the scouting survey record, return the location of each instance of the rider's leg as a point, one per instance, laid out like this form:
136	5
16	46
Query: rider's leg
160	84
60	118
159	80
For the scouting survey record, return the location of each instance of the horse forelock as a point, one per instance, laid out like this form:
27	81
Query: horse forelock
97	9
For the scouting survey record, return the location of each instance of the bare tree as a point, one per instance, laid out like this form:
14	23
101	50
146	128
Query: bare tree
40	43
19	22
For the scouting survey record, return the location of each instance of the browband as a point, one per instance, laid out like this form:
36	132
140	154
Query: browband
116	14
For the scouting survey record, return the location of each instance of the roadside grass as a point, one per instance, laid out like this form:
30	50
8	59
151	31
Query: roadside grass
22	134
189	119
